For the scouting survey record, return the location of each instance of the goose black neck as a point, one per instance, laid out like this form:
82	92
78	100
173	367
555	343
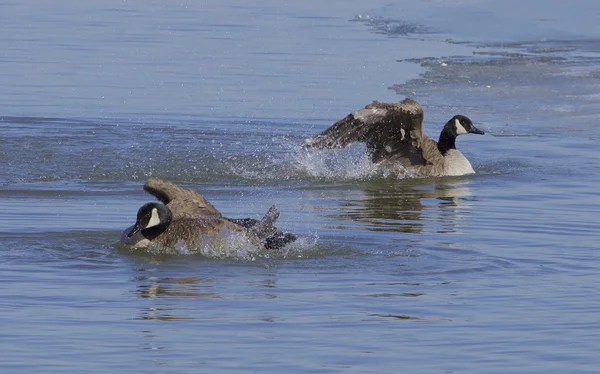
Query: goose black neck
152	232
447	140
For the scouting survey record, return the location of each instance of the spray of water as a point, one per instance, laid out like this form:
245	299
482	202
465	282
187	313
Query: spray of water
286	160
236	246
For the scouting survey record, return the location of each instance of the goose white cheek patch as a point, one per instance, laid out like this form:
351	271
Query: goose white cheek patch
154	220
460	129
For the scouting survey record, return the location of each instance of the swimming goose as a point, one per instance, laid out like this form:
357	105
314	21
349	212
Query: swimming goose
186	216
393	133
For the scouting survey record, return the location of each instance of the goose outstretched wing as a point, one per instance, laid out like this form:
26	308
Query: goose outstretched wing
388	129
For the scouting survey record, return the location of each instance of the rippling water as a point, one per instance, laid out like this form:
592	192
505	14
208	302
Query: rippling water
492	273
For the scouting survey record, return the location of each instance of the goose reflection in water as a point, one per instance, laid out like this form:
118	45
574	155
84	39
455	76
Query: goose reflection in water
171	287
175	287
406	205
162	290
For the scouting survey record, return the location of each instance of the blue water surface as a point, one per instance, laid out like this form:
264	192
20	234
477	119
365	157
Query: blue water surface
497	272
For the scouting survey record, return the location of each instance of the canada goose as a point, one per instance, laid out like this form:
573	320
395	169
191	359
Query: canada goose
394	136
186	216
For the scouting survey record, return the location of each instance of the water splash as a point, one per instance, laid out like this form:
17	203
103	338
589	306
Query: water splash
289	161
235	246
351	163
186	154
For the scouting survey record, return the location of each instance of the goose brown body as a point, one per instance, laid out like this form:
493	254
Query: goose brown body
393	134
184	216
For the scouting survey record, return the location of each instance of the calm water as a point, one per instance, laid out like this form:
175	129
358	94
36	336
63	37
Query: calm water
492	273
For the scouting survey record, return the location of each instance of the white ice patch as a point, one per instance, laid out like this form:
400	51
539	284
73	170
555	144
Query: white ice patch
460	129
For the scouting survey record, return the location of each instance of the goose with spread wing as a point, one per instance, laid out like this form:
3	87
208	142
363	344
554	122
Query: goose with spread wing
393	133
183	215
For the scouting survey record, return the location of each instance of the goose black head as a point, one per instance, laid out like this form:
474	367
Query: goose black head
460	125
152	219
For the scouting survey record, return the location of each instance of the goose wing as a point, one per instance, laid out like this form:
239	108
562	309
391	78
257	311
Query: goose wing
265	231
269	235
265	227
375	121
388	129
182	202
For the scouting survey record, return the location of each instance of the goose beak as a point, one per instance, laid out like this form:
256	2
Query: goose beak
475	130
136	228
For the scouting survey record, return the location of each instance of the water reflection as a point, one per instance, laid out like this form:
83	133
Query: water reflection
403	294
152	287
175	287
173	298
398	316
405	317
407	205
160	314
